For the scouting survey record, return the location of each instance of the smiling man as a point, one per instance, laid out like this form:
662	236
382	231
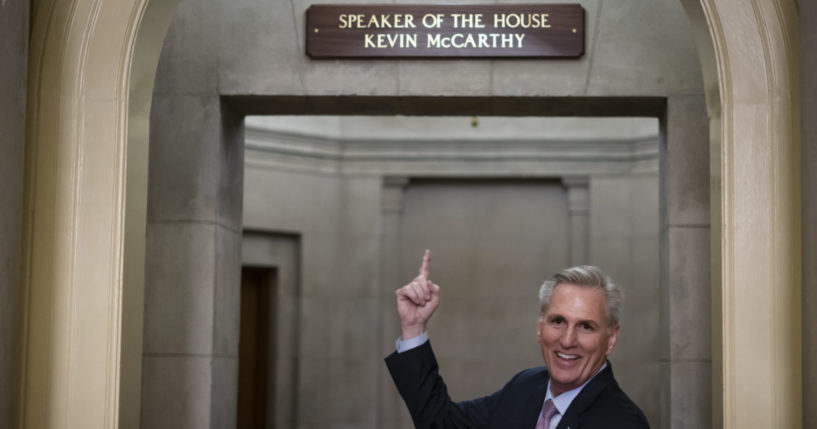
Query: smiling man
577	329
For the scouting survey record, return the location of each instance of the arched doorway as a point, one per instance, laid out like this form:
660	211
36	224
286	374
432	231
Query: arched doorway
90	87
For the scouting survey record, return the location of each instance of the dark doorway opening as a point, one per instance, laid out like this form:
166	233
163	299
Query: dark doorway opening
254	352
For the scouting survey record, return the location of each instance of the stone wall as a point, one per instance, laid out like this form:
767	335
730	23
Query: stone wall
223	60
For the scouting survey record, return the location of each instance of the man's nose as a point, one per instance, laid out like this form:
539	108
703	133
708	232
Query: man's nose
568	338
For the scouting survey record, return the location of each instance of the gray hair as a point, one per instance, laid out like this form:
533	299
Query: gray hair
585	276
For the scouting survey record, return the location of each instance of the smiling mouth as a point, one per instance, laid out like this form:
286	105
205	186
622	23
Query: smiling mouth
566	356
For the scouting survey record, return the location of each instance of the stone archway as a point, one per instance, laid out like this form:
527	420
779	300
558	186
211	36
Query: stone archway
90	85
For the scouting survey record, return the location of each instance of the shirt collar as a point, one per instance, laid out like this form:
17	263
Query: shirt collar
566	398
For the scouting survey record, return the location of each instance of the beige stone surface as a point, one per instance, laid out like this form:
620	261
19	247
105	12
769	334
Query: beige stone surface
691	411
179	292
687	176
178	391
624	234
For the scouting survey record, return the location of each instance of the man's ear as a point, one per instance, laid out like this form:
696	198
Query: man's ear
611	342
540	324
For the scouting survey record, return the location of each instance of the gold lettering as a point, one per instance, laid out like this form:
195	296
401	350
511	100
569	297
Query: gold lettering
432	20
483	40
499	20
544	20
472	41
524	20
383	20
468	20
380	41
511	18
457	42
411	40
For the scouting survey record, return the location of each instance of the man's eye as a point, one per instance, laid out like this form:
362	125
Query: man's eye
586	326
557	321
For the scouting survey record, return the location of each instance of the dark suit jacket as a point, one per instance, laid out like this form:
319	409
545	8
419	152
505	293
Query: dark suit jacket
601	404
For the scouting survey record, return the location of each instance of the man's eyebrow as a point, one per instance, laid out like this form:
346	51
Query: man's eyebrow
580	321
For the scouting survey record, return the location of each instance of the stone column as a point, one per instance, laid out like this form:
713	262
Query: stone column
193	265
392	412
193	261
578	211
685	285
808	106
14	53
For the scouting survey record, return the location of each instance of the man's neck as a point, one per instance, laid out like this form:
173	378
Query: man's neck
555	392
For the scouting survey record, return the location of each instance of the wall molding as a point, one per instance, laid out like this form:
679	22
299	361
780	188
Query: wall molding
292	151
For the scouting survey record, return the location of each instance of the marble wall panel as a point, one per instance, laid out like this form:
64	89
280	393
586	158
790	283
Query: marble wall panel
656	37
259	48
691	410
185	158
290	201
224	391
176	392
227	292
687	165
189	60
179	289
448	78
690	299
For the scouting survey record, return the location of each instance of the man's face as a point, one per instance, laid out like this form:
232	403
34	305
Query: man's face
575	336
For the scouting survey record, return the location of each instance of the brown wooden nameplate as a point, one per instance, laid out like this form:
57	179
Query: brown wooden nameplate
423	31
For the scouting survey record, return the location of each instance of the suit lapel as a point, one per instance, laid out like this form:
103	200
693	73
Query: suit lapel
534	405
586	398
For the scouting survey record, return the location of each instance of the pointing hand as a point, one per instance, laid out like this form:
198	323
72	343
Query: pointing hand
417	301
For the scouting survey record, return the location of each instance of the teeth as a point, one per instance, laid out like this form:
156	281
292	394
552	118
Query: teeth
565	356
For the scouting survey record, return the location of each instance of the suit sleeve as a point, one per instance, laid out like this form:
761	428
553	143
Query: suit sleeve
416	375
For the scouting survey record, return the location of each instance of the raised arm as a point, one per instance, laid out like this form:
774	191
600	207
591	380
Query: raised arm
417	301
415	371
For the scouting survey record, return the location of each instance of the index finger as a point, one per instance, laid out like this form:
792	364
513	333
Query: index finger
424	268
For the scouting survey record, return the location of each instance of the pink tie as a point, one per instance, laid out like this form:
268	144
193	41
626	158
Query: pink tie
548	411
